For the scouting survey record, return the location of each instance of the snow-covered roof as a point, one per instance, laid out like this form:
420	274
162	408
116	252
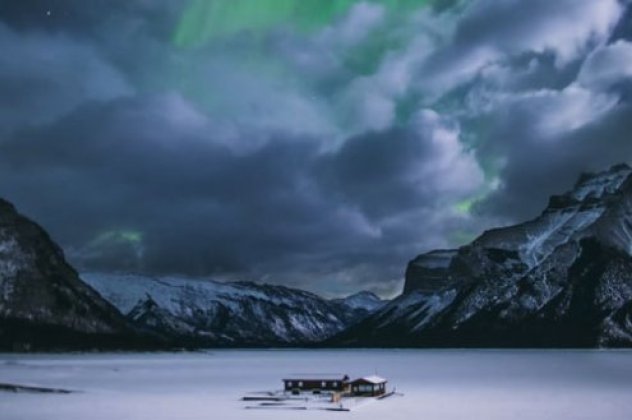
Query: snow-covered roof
374	379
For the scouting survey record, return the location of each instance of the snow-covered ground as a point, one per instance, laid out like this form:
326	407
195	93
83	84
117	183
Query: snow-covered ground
452	384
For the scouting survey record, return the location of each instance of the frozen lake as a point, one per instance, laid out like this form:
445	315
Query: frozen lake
452	384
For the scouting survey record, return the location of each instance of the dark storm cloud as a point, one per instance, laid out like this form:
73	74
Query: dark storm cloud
139	155
150	165
401	169
624	27
499	31
535	170
142	166
548	135
44	76
542	90
130	36
371	170
510	25
89	17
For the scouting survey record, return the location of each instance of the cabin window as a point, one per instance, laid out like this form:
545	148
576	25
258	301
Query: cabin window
323	384
289	384
335	384
300	384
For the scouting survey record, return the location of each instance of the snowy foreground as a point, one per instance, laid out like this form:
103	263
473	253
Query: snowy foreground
454	384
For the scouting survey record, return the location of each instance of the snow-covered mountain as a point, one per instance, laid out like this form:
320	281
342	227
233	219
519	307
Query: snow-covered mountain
562	279
365	300
208	312
43	303
360	304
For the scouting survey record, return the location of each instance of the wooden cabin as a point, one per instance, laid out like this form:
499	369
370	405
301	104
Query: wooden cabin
316	383
368	386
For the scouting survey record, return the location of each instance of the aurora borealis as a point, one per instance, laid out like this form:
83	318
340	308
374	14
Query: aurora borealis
205	20
313	143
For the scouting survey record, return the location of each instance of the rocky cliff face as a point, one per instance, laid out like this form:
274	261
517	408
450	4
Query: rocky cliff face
206	312
43	303
430	272
562	279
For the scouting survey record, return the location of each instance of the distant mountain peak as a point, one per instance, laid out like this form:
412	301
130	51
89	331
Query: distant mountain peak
596	185
586	177
365	300
364	294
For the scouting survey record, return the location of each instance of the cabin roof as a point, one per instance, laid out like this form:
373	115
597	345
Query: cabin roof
372	379
315	377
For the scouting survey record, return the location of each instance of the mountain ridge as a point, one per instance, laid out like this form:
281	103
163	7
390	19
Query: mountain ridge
208	312
561	279
558	280
46	305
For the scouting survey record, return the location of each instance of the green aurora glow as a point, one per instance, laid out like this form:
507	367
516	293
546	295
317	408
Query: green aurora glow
117	236
205	20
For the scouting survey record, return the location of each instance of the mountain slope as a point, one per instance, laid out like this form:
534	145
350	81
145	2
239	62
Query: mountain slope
43	303
207	312
359	305
563	279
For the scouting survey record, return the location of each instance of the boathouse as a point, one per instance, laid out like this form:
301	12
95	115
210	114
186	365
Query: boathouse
368	386
317	383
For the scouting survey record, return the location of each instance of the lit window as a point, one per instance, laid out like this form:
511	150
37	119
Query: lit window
300	384
335	384
323	384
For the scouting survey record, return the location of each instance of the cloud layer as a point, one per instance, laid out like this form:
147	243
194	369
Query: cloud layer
321	156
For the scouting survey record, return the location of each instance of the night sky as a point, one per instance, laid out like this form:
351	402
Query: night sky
314	143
